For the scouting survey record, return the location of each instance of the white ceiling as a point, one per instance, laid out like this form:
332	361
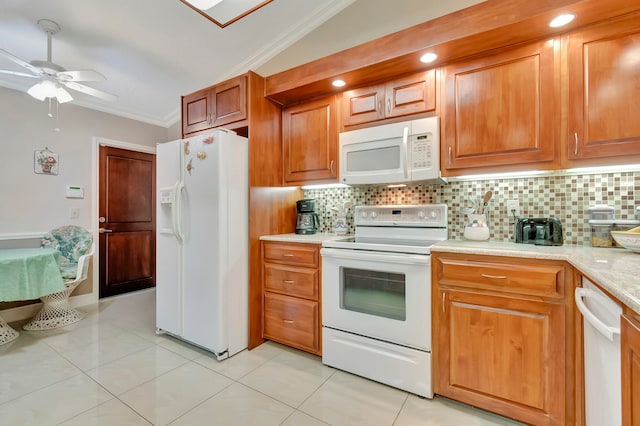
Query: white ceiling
154	51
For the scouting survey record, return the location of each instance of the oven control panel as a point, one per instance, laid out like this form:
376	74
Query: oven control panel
419	215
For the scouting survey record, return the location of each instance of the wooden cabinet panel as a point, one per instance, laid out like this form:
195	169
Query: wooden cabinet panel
604	91
402	96
294	254
630	362
502	109
291	321
229	101
504	347
411	95
299	282
363	105
519	278
310	139
215	106
196	111
291	294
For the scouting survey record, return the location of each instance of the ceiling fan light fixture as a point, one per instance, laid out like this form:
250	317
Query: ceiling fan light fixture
203	4
42	90
63	96
49	89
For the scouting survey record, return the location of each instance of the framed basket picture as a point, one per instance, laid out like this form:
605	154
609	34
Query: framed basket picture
45	162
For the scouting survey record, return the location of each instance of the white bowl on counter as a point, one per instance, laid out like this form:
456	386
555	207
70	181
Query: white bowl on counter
628	239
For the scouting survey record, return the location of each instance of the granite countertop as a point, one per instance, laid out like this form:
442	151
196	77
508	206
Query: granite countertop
615	270
317	238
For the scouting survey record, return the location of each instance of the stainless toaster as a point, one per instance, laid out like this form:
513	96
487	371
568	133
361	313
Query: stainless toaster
539	231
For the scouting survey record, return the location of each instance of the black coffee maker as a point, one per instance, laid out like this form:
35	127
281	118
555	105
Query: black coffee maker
307	221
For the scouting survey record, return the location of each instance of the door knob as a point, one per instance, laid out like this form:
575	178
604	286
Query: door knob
104	231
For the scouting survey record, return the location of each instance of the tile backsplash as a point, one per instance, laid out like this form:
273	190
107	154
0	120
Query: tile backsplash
566	198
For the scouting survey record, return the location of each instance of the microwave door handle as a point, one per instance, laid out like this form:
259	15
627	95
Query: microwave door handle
405	142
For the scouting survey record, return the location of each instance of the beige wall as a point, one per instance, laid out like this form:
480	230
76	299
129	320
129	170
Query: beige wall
33	203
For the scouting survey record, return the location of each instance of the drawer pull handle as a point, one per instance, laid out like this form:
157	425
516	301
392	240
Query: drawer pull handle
497	277
288	255
288	321
288	281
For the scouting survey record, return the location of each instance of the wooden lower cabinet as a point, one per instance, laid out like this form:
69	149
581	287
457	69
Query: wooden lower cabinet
630	364
499	342
291	294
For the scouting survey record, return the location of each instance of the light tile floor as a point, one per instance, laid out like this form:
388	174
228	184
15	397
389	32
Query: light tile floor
112	369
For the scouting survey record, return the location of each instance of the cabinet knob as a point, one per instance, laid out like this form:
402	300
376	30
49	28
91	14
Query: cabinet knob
331	166
287	321
575	139
288	255
288	281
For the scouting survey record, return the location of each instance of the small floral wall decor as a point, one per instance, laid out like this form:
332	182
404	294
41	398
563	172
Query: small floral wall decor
45	162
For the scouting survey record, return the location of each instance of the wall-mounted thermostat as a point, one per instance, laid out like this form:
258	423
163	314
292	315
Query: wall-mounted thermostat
74	191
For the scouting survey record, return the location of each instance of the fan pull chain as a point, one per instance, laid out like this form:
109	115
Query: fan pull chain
57	128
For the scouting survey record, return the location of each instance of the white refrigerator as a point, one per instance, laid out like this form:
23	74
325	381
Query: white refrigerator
202	241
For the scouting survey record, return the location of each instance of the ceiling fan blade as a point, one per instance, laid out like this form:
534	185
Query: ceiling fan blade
90	91
20	62
19	74
81	75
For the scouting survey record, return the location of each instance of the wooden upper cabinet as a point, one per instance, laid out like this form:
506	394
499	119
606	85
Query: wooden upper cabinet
403	96
604	91
215	106
196	111
502	109
229	101
310	142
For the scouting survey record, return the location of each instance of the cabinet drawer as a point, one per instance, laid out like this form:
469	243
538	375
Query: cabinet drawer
294	254
291	321
528	279
294	281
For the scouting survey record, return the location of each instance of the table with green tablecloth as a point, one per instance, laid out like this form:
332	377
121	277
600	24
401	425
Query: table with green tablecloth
27	274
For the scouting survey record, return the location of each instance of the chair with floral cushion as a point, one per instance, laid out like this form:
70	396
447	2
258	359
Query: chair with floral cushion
76	247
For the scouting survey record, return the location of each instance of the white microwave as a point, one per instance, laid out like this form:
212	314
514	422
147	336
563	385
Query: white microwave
403	152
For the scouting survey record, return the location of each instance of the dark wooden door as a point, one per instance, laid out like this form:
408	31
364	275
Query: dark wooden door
127	187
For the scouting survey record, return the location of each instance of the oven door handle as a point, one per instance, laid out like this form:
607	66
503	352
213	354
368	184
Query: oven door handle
403	258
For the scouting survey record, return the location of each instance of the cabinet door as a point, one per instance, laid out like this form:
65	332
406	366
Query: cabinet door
363	105
196	112
503	354
310	141
502	109
630	361
229	101
411	95
604	92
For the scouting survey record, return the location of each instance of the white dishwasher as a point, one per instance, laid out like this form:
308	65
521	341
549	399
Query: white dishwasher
603	401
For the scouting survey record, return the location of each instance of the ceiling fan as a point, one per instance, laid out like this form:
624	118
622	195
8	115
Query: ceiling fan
54	78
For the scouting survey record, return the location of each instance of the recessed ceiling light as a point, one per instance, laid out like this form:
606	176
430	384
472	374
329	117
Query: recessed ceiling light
561	20
428	57
338	83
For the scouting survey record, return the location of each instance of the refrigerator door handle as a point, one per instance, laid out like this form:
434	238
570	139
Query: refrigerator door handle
176	212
